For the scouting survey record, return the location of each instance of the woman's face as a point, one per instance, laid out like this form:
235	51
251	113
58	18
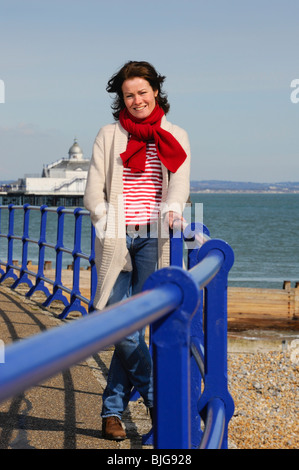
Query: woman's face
139	97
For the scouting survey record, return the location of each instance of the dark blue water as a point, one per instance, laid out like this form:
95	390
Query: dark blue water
262	229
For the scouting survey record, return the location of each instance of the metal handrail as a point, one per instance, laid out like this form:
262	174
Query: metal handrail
172	302
215	422
28	361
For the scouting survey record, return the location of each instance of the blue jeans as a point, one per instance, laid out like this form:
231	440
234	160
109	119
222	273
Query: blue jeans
131	364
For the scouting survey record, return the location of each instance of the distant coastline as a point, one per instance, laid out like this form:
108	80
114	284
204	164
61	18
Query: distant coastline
237	187
218	186
231	191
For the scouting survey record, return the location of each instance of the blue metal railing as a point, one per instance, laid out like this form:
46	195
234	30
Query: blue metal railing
76	299
184	352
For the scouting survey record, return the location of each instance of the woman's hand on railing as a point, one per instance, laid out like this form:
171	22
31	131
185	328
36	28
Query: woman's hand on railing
177	222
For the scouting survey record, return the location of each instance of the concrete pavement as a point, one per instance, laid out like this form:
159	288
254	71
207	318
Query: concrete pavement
63	412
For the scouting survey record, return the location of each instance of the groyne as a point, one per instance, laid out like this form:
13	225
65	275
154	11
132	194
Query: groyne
264	308
248	308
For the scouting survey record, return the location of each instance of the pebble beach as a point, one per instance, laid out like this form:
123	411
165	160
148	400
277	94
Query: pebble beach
264	387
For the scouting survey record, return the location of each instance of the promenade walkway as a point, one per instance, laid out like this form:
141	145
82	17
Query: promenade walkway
63	412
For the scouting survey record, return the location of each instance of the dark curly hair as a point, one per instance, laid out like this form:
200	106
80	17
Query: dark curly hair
134	69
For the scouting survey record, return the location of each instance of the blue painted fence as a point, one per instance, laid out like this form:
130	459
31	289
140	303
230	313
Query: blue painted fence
42	281
187	311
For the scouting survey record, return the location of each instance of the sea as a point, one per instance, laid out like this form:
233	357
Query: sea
261	228
263	231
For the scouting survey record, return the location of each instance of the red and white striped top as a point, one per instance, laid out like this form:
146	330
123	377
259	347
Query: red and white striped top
143	191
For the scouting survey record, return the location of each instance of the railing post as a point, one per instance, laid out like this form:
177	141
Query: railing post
57	292
23	277
39	284
1	270
171	358
176	247
93	268
215	338
9	265
75	303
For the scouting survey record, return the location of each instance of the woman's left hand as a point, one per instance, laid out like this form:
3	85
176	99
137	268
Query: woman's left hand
177	222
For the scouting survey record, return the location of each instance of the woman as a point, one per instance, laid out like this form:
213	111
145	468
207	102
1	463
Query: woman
139	175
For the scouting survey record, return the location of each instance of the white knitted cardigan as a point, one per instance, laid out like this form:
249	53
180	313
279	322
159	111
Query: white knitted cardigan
103	198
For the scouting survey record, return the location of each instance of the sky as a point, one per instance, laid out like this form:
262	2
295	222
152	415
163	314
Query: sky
229	67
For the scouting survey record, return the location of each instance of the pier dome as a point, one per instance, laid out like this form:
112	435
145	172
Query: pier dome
62	183
75	152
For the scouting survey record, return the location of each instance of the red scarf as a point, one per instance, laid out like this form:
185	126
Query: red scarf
169	150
